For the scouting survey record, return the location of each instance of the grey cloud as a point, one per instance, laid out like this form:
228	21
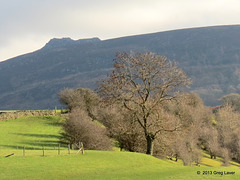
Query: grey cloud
27	19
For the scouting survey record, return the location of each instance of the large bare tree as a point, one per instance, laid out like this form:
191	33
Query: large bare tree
141	82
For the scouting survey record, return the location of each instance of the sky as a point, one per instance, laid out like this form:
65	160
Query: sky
27	25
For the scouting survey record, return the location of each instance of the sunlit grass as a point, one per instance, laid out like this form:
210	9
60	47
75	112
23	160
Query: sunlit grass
50	163
101	165
31	132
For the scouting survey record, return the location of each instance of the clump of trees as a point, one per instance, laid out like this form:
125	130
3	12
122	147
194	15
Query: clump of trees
228	127
81	98
232	100
123	127
79	127
140	83
80	124
192	117
142	107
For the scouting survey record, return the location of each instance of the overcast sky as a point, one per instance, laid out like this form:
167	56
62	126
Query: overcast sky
27	25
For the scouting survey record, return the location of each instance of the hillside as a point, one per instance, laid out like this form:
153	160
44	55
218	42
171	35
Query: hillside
209	55
33	132
105	165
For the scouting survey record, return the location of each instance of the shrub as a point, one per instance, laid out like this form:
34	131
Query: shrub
80	128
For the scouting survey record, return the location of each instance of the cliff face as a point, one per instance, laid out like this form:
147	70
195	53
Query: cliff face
66	42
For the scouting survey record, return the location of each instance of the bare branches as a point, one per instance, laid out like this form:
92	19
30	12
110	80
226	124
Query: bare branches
141	82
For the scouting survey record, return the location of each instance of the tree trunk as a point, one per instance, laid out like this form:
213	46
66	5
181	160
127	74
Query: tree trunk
149	144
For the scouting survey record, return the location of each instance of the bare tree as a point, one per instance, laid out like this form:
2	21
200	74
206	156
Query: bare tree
122	127
79	128
141	82
228	126
210	141
232	100
195	119
82	98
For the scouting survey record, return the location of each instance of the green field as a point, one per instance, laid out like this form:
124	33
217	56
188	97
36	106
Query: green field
33	132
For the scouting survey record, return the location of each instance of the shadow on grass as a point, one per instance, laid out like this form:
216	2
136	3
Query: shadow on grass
11	146
50	121
39	135
206	165
46	143
36	146
54	123
234	164
20	147
38	141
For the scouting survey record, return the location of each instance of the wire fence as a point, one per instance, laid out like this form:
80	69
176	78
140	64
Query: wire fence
61	149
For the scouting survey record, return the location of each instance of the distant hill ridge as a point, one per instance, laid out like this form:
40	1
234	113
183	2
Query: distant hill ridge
209	55
63	42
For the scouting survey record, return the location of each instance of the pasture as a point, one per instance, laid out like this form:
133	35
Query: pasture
34	132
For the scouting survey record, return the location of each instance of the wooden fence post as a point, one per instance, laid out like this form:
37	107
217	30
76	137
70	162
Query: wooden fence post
68	148
23	151
58	149
43	151
81	148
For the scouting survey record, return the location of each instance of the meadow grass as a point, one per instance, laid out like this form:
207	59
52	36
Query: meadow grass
33	132
103	165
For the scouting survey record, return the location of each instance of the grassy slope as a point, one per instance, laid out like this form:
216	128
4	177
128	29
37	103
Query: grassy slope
101	165
92	165
32	132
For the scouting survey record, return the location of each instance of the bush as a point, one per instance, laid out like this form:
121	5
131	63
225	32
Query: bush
80	128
